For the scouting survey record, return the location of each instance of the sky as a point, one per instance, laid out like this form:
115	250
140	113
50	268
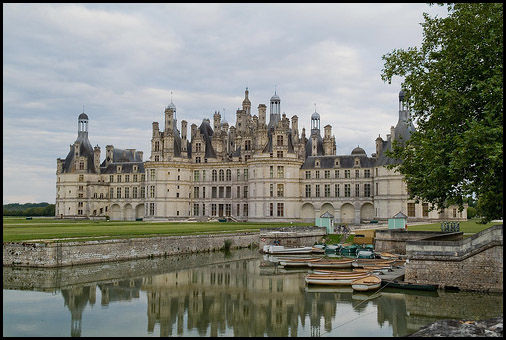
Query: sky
124	63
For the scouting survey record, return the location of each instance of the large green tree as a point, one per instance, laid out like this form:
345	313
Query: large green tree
453	84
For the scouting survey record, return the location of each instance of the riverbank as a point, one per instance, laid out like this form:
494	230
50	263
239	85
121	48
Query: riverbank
463	328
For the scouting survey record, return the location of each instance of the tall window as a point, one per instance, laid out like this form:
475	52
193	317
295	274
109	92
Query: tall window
336	173
127	178
111	193
327	190
411	209
228	192
281	208
81	165
151	209
279	154
152	174
245	174
346	173
245	192
367	190
81	178
327	174
152	191
195	209
111	178
280	140
357	173
134	192
119	178
271	209
229	175
337	190
317	190
157	146
317	174
196	192
281	190
357	190
367	173
198	147
118	193
196	175
222	175
271	190
143	192
214	176
281	172
203	175
308	174
347	190
127	192
214	192
271	171
247	145
425	209
308	190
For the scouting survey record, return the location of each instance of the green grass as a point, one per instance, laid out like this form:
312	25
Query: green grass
17	229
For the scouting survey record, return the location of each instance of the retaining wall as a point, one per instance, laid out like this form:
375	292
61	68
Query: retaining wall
475	263
56	254
292	236
394	241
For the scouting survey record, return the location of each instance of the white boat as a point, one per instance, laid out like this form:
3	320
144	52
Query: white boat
340	272
272	249
371	262
296	262
341	263
371	282
333	280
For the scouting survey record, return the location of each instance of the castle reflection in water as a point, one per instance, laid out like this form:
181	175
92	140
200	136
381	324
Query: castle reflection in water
244	298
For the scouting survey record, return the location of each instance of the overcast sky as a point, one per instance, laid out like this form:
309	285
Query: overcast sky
122	61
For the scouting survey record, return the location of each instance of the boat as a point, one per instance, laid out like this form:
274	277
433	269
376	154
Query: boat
324	263
371	282
297	262
365	254
272	249
338	272
388	256
371	262
378	269
318	249
332	248
332	280
349	249
407	285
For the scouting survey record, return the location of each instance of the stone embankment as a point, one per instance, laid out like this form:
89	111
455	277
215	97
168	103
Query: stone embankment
463	328
59	254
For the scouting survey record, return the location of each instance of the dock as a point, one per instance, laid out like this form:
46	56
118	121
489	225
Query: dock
396	274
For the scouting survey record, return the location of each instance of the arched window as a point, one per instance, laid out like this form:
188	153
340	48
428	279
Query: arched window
214	176
222	175
229	175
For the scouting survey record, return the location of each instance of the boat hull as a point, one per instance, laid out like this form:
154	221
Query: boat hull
331	264
367	283
332	280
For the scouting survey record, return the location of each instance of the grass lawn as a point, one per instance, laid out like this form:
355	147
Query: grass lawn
17	229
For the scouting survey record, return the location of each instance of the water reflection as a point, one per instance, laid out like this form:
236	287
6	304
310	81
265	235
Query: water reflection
241	295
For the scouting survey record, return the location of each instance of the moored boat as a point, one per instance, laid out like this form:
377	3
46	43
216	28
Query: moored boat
407	285
324	263
332	280
272	249
365	254
371	262
378	269
367	283
337	272
297	262
388	256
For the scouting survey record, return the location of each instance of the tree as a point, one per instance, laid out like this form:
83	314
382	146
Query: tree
454	89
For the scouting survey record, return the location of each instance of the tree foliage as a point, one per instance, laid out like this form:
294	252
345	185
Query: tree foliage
29	209
453	84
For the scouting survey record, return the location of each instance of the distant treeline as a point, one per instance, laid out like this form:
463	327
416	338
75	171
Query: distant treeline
29	209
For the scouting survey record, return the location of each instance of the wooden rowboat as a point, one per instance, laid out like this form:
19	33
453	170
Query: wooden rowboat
345	263
296	262
371	282
333	280
371	262
340	272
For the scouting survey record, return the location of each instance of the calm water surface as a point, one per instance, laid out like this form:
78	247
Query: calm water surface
216	294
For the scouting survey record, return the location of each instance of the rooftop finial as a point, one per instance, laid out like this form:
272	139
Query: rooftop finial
314	107
171	97
274	88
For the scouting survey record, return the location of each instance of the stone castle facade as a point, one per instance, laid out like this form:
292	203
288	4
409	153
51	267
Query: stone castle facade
258	170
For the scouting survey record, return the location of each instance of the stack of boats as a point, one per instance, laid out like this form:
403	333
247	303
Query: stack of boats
359	280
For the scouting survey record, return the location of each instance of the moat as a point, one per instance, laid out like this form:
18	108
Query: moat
237	293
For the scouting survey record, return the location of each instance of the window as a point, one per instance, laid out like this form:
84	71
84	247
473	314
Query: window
127	178
203	192
196	175
157	158
245	210
229	175
143	192
203	175
454	212
238	192
196	192
238	174
127	192
152	191
308	190
228	192
247	145
111	178
222	175
198	159
157	146
271	209
134	192
377	189
134	179
367	190
214	192
214	176
308	174
81	178
245	192
367	173
281	190
119	178
346	173
347	190
118	193
327	190
271	190
152	173
376	171
143	178
213	209
238	209
336	173
411	209
151	209
195	209
245	174
317	174
327	174
279	154
228	209
111	192
357	173
425	209
281	208
81	165
317	190
198	147
337	190
280	140
271	171
357	190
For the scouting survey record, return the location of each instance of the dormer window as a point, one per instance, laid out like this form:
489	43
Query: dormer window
317	164
336	163
118	168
